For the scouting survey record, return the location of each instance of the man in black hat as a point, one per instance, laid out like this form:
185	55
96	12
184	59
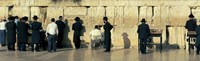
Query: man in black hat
11	33
77	27
107	34
190	26
61	27
191	23
144	32
36	27
22	34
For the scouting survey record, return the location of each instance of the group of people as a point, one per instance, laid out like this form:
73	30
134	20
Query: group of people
15	30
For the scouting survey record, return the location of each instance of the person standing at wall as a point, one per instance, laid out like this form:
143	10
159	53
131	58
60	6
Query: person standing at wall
22	34
96	37
107	34
144	32
77	27
191	23
11	33
197	42
3	32
52	32
36	27
190	26
16	19
61	27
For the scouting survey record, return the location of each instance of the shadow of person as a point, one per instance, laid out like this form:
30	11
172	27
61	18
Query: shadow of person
126	40
66	41
83	28
83	43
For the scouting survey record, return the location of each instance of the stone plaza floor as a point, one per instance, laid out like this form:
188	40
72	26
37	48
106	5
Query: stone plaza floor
85	54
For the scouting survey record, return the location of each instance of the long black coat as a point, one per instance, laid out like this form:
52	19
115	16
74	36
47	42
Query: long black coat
107	34
22	32
197	43
191	25
36	34
61	25
143	31
77	27
11	32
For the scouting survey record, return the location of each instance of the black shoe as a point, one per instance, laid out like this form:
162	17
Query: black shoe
106	51
144	53
197	53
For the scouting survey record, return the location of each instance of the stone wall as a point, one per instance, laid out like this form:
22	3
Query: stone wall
125	14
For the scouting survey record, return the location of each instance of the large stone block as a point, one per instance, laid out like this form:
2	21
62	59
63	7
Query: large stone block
130	16
76	11
4	12
53	12
20	11
179	16
176	36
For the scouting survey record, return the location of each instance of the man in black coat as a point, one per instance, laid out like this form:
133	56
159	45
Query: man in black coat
197	42
77	27
144	32
11	33
107	34
36	36
191	23
22	34
61	27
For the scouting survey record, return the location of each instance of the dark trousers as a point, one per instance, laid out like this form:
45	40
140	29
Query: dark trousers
108	44
36	46
11	46
143	43
2	37
51	43
77	44
22	46
60	40
198	49
43	44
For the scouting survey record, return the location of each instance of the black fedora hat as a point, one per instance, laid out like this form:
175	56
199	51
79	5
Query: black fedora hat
25	18
77	19
35	17
143	20
191	16
11	18
105	18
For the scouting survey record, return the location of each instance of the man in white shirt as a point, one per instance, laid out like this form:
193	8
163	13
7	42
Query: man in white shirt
52	32
2	32
96	37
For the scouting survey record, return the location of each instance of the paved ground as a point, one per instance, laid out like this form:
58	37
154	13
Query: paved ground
98	55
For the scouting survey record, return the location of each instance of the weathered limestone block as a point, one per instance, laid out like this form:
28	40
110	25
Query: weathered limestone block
110	14
53	12
96	15
4	12
130	16
20	11
75	11
176	36
119	16
35	11
196	12
179	16
146	12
